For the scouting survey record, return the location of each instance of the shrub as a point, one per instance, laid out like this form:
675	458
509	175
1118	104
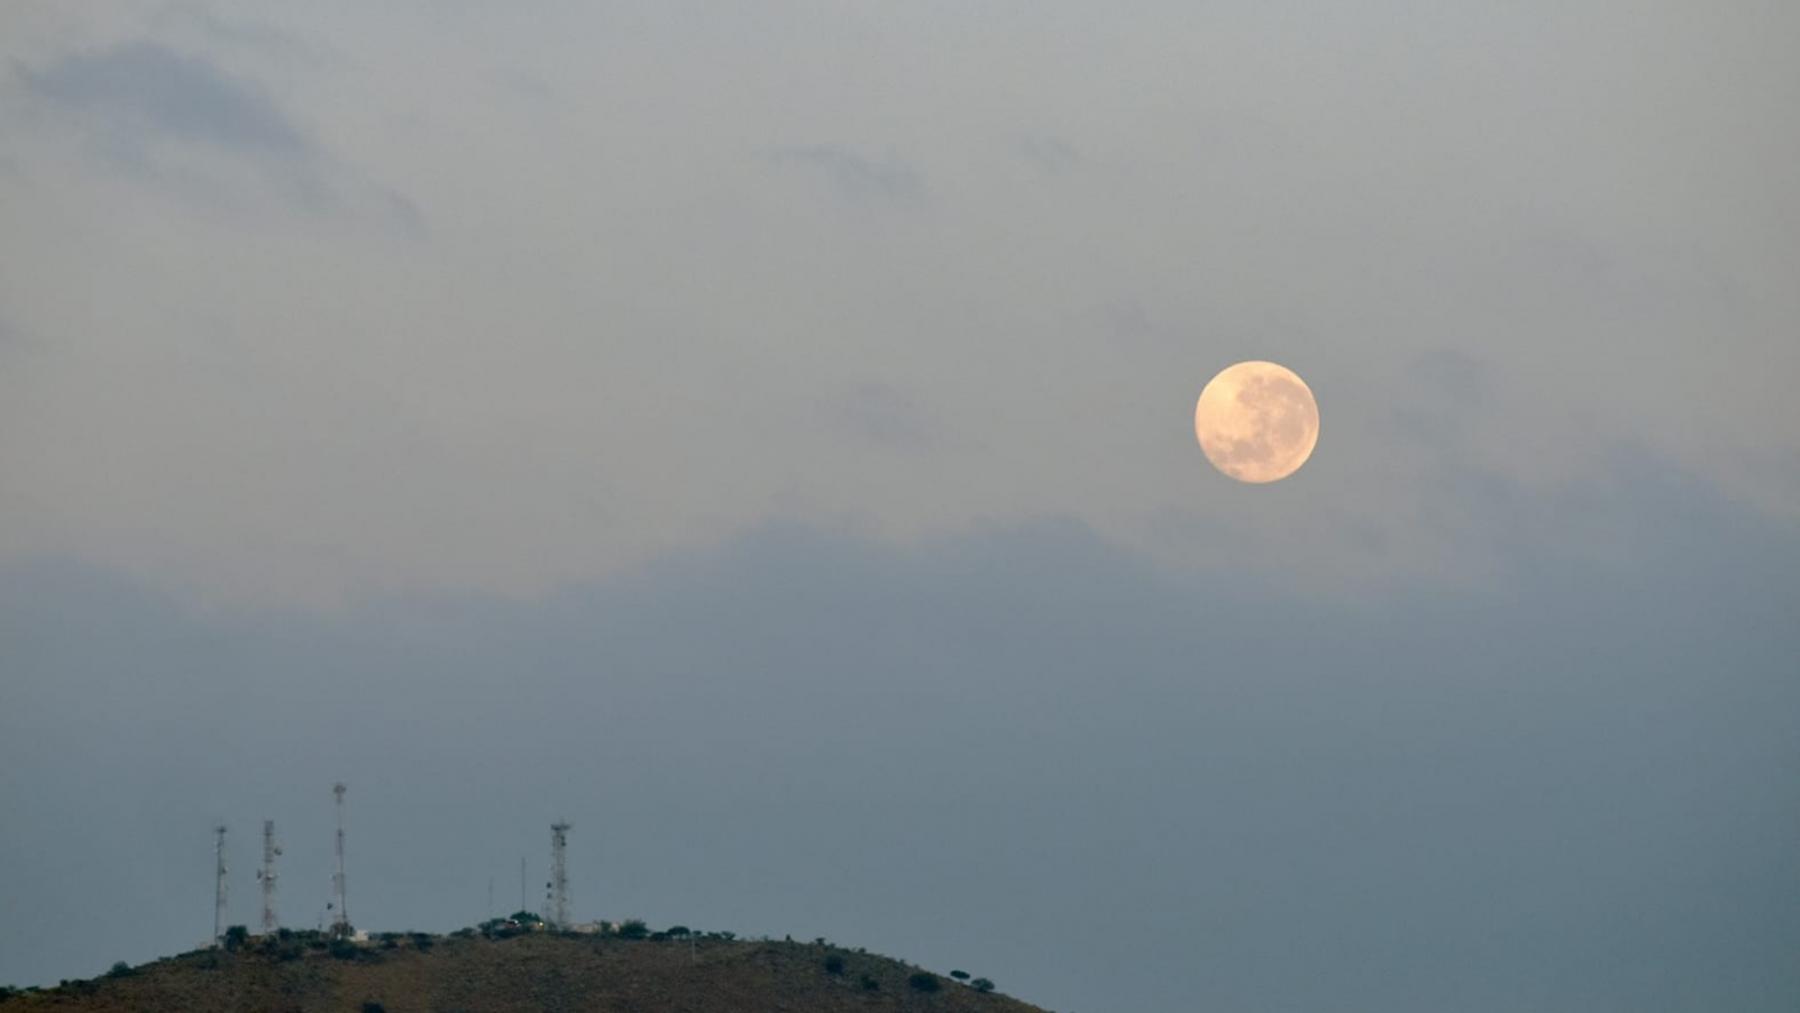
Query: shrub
120	970
924	981
870	984
422	940
982	985
236	936
633	928
834	964
960	975
678	932
344	949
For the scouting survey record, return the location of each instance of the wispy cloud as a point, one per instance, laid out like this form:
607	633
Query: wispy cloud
1051	154
264	39
147	87
879	413
179	120
856	176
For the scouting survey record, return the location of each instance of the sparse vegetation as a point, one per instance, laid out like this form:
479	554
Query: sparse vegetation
464	970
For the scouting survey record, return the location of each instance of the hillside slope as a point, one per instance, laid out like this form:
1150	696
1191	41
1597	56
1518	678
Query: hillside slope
532	972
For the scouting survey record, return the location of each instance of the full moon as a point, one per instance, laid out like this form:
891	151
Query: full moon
1257	421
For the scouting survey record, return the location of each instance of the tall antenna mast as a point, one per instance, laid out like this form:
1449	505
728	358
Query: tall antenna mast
558	915
221	889
340	925
522	883
267	875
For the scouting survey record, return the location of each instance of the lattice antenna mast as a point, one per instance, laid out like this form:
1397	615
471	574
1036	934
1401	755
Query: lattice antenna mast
267	875
221	888
340	924
558	887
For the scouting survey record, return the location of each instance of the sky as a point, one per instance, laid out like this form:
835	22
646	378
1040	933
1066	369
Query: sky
763	437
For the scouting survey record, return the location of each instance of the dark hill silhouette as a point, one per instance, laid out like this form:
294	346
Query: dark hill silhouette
531	971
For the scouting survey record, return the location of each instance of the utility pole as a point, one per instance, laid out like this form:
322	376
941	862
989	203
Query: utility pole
340	925
558	915
221	889
267	875
521	882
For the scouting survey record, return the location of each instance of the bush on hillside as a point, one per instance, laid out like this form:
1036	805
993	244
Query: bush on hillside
120	970
924	981
633	928
834	964
982	985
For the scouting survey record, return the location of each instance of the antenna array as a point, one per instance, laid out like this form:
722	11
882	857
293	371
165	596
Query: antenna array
557	896
266	875
221	888
340	922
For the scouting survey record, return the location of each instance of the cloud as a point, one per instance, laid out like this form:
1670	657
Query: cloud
1425	799
857	177
264	39
178	121
879	413
1051	154
144	86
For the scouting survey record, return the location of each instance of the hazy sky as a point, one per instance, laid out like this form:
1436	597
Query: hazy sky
762	435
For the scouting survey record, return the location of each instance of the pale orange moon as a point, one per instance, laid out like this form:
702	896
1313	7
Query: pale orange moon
1257	421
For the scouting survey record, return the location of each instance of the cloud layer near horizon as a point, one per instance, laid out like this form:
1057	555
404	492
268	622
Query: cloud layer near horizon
1022	751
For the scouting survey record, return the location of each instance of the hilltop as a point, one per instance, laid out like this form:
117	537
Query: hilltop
504	971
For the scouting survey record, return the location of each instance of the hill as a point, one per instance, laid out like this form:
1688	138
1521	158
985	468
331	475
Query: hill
532	971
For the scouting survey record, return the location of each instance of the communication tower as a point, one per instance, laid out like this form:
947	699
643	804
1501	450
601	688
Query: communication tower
221	889
557	890
340	919
267	876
